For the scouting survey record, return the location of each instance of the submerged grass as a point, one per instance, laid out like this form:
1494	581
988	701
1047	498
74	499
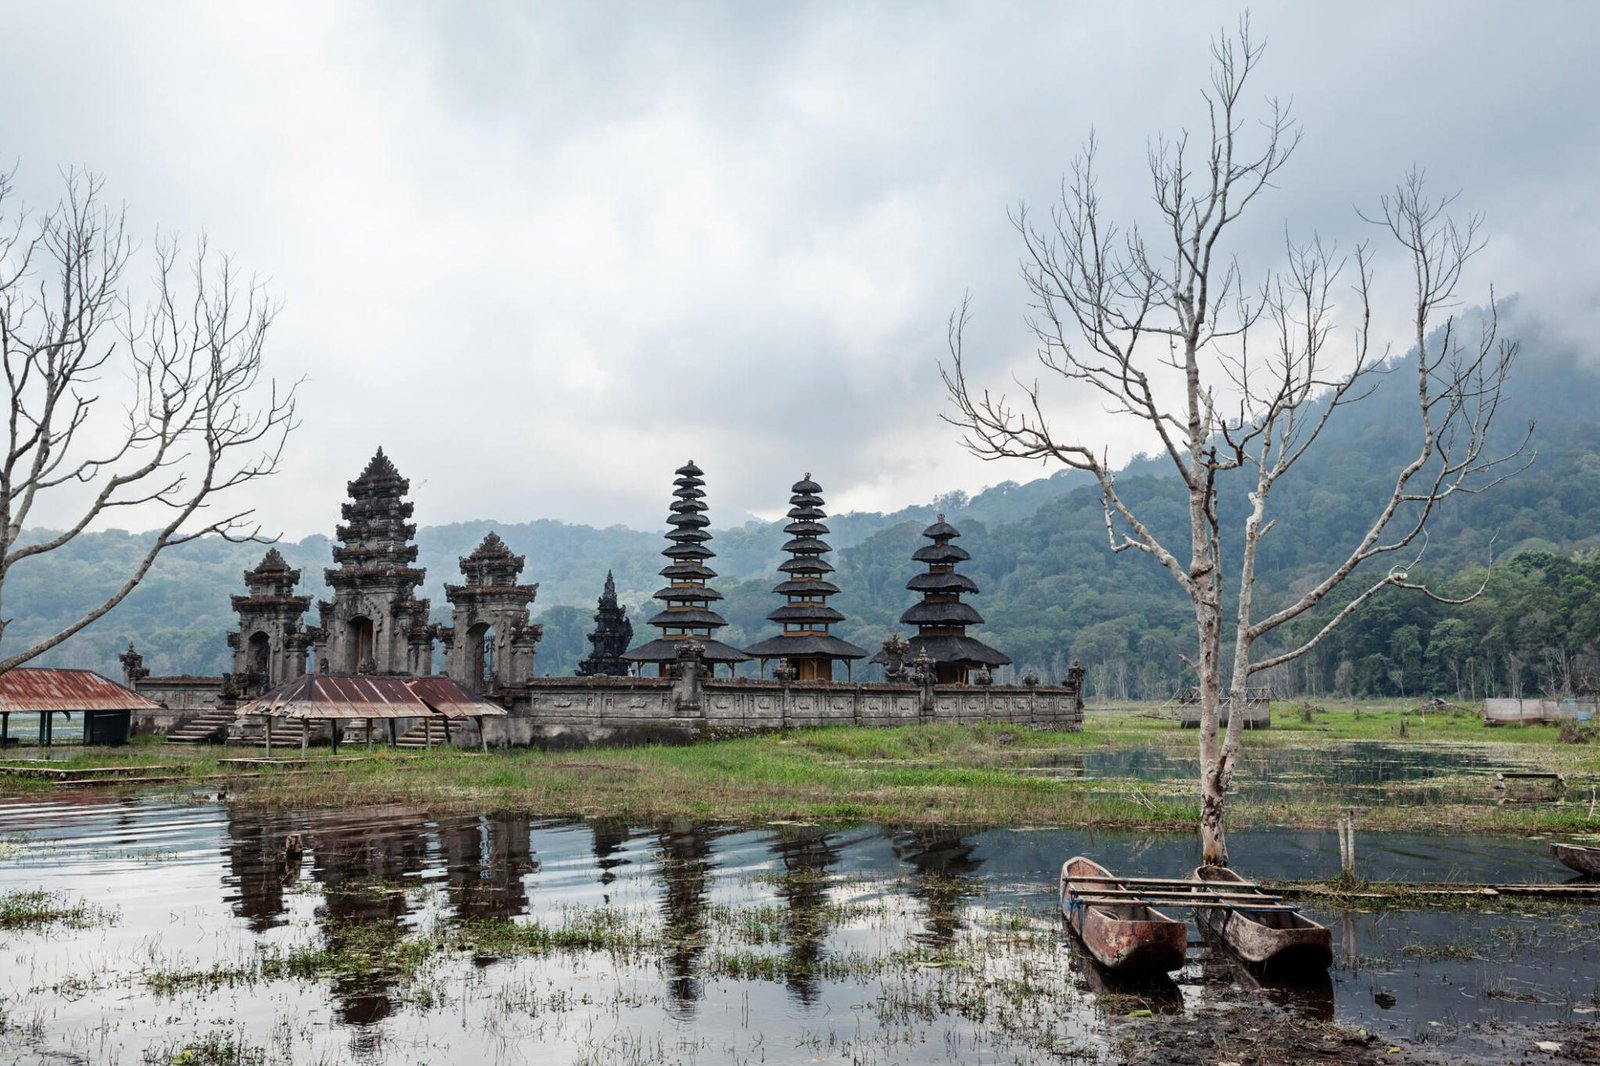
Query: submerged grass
36	909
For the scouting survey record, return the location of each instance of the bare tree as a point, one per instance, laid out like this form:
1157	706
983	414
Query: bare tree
196	417
1239	381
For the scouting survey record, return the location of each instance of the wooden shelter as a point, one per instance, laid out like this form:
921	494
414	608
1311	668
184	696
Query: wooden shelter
370	698
107	707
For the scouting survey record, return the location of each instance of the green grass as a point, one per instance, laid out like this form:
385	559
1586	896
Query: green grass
35	909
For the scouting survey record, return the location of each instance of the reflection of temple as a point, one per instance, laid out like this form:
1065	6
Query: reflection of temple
485	859
943	879
686	887
806	856
610	837
263	864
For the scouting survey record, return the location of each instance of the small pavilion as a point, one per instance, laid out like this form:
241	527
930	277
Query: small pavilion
370	698
106	707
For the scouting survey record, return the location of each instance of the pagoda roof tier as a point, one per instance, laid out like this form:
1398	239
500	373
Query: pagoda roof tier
375	575
695	570
953	649
940	553
953	614
688	618
941	529
686	506
688	469
689	551
688	592
805	486
665	649
806	587
688	536
805	646
949	581
805	527
689	521
805	612
807	546
806	566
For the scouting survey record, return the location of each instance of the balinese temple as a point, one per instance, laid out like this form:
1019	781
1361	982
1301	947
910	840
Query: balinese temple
490	644
270	645
611	637
941	618
688	614
375	623
811	650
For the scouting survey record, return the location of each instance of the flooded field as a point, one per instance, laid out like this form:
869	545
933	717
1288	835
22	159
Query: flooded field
209	934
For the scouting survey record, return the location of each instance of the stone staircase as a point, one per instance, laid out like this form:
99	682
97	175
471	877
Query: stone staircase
417	733
211	727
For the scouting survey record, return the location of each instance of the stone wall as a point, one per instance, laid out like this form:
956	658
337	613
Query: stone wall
577	712
181	699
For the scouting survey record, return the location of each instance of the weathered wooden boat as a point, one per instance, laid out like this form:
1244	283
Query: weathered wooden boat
1259	928
1585	860
1122	933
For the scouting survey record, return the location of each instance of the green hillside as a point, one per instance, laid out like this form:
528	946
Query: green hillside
1051	590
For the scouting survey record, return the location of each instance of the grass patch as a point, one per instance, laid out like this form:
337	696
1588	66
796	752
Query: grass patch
34	909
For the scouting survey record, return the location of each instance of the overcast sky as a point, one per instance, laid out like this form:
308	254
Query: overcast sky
545	253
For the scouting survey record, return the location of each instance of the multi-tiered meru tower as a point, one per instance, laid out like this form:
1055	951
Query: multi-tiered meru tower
941	618
806	643
688	614
611	637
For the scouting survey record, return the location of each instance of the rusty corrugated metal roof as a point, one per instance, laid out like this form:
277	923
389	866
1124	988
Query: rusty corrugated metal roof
453	701
322	696
48	688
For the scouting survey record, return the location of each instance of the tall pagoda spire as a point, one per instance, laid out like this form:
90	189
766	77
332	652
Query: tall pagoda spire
611	637
688	614
375	622
941	618
805	616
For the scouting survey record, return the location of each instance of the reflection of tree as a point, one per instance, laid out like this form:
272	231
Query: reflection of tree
806	856
943	865
486	859
362	860
610	834
685	870
261	863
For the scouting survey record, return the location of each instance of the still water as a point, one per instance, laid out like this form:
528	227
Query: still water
780	943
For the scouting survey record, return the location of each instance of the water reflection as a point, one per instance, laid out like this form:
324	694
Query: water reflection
944	879
685	866
486	860
807	856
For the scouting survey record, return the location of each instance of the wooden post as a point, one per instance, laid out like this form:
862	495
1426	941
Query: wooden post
427	733
446	732
5	727
483	738
305	738
393	739
369	734
269	737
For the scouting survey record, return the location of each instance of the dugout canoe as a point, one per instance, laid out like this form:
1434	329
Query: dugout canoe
1577	857
1124	936
1273	936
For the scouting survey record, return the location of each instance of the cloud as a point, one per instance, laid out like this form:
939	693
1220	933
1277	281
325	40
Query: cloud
544	254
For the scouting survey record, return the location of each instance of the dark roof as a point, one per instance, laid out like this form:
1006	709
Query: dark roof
941	614
811	565
807	545
689	470
940	553
805	612
48	688
806	645
795	529
689	618
687	570
946	582
689	551
941	528
687	592
811	587
805	485
953	650
665	649
687	506
688	520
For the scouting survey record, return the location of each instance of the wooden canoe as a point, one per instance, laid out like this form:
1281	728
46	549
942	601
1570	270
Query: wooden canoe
1274	938
1129	937
1577	857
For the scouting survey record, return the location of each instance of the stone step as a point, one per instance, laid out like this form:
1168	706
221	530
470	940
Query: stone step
209	728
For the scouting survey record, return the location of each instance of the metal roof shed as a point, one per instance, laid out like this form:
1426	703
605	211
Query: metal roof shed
369	697
47	691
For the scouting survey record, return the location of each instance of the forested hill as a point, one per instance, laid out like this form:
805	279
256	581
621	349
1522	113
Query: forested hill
1051	590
